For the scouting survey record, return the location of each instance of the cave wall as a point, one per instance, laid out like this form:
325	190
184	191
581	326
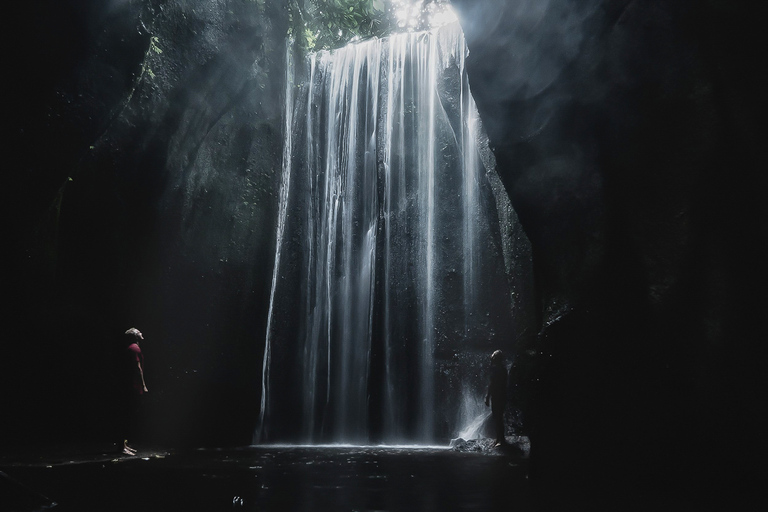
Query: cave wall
129	114
627	136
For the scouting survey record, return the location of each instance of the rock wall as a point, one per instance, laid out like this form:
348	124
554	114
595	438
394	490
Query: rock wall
156	106
623	133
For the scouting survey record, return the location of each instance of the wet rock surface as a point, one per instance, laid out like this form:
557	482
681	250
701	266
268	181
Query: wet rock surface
519	446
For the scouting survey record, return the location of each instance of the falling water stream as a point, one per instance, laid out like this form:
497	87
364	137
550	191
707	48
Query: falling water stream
390	259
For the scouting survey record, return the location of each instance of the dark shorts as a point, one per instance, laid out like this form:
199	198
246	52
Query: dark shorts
131	415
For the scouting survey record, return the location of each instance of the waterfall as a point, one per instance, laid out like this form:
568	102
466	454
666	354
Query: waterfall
389	263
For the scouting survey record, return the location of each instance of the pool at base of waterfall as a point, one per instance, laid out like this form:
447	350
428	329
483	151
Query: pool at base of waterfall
311	478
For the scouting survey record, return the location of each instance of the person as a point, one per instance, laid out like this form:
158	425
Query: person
135	386
497	394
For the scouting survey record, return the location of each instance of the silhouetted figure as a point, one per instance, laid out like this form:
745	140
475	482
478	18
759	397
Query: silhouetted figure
497	394
135	386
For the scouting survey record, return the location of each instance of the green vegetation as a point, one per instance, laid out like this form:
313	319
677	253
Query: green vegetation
153	45
325	24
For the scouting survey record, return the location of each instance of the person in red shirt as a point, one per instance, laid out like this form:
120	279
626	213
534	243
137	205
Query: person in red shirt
137	385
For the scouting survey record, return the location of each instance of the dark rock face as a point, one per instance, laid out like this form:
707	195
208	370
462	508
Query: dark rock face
621	134
159	105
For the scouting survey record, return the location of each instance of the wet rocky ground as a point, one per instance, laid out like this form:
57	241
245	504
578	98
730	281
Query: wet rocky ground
308	478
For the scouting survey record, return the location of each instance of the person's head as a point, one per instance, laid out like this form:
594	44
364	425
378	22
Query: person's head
497	357
134	335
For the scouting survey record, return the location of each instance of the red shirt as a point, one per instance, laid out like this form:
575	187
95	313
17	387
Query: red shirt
135	356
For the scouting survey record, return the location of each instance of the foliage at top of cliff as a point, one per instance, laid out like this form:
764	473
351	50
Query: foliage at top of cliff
327	24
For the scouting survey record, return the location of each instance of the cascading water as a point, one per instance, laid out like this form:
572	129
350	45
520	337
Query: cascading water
390	259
